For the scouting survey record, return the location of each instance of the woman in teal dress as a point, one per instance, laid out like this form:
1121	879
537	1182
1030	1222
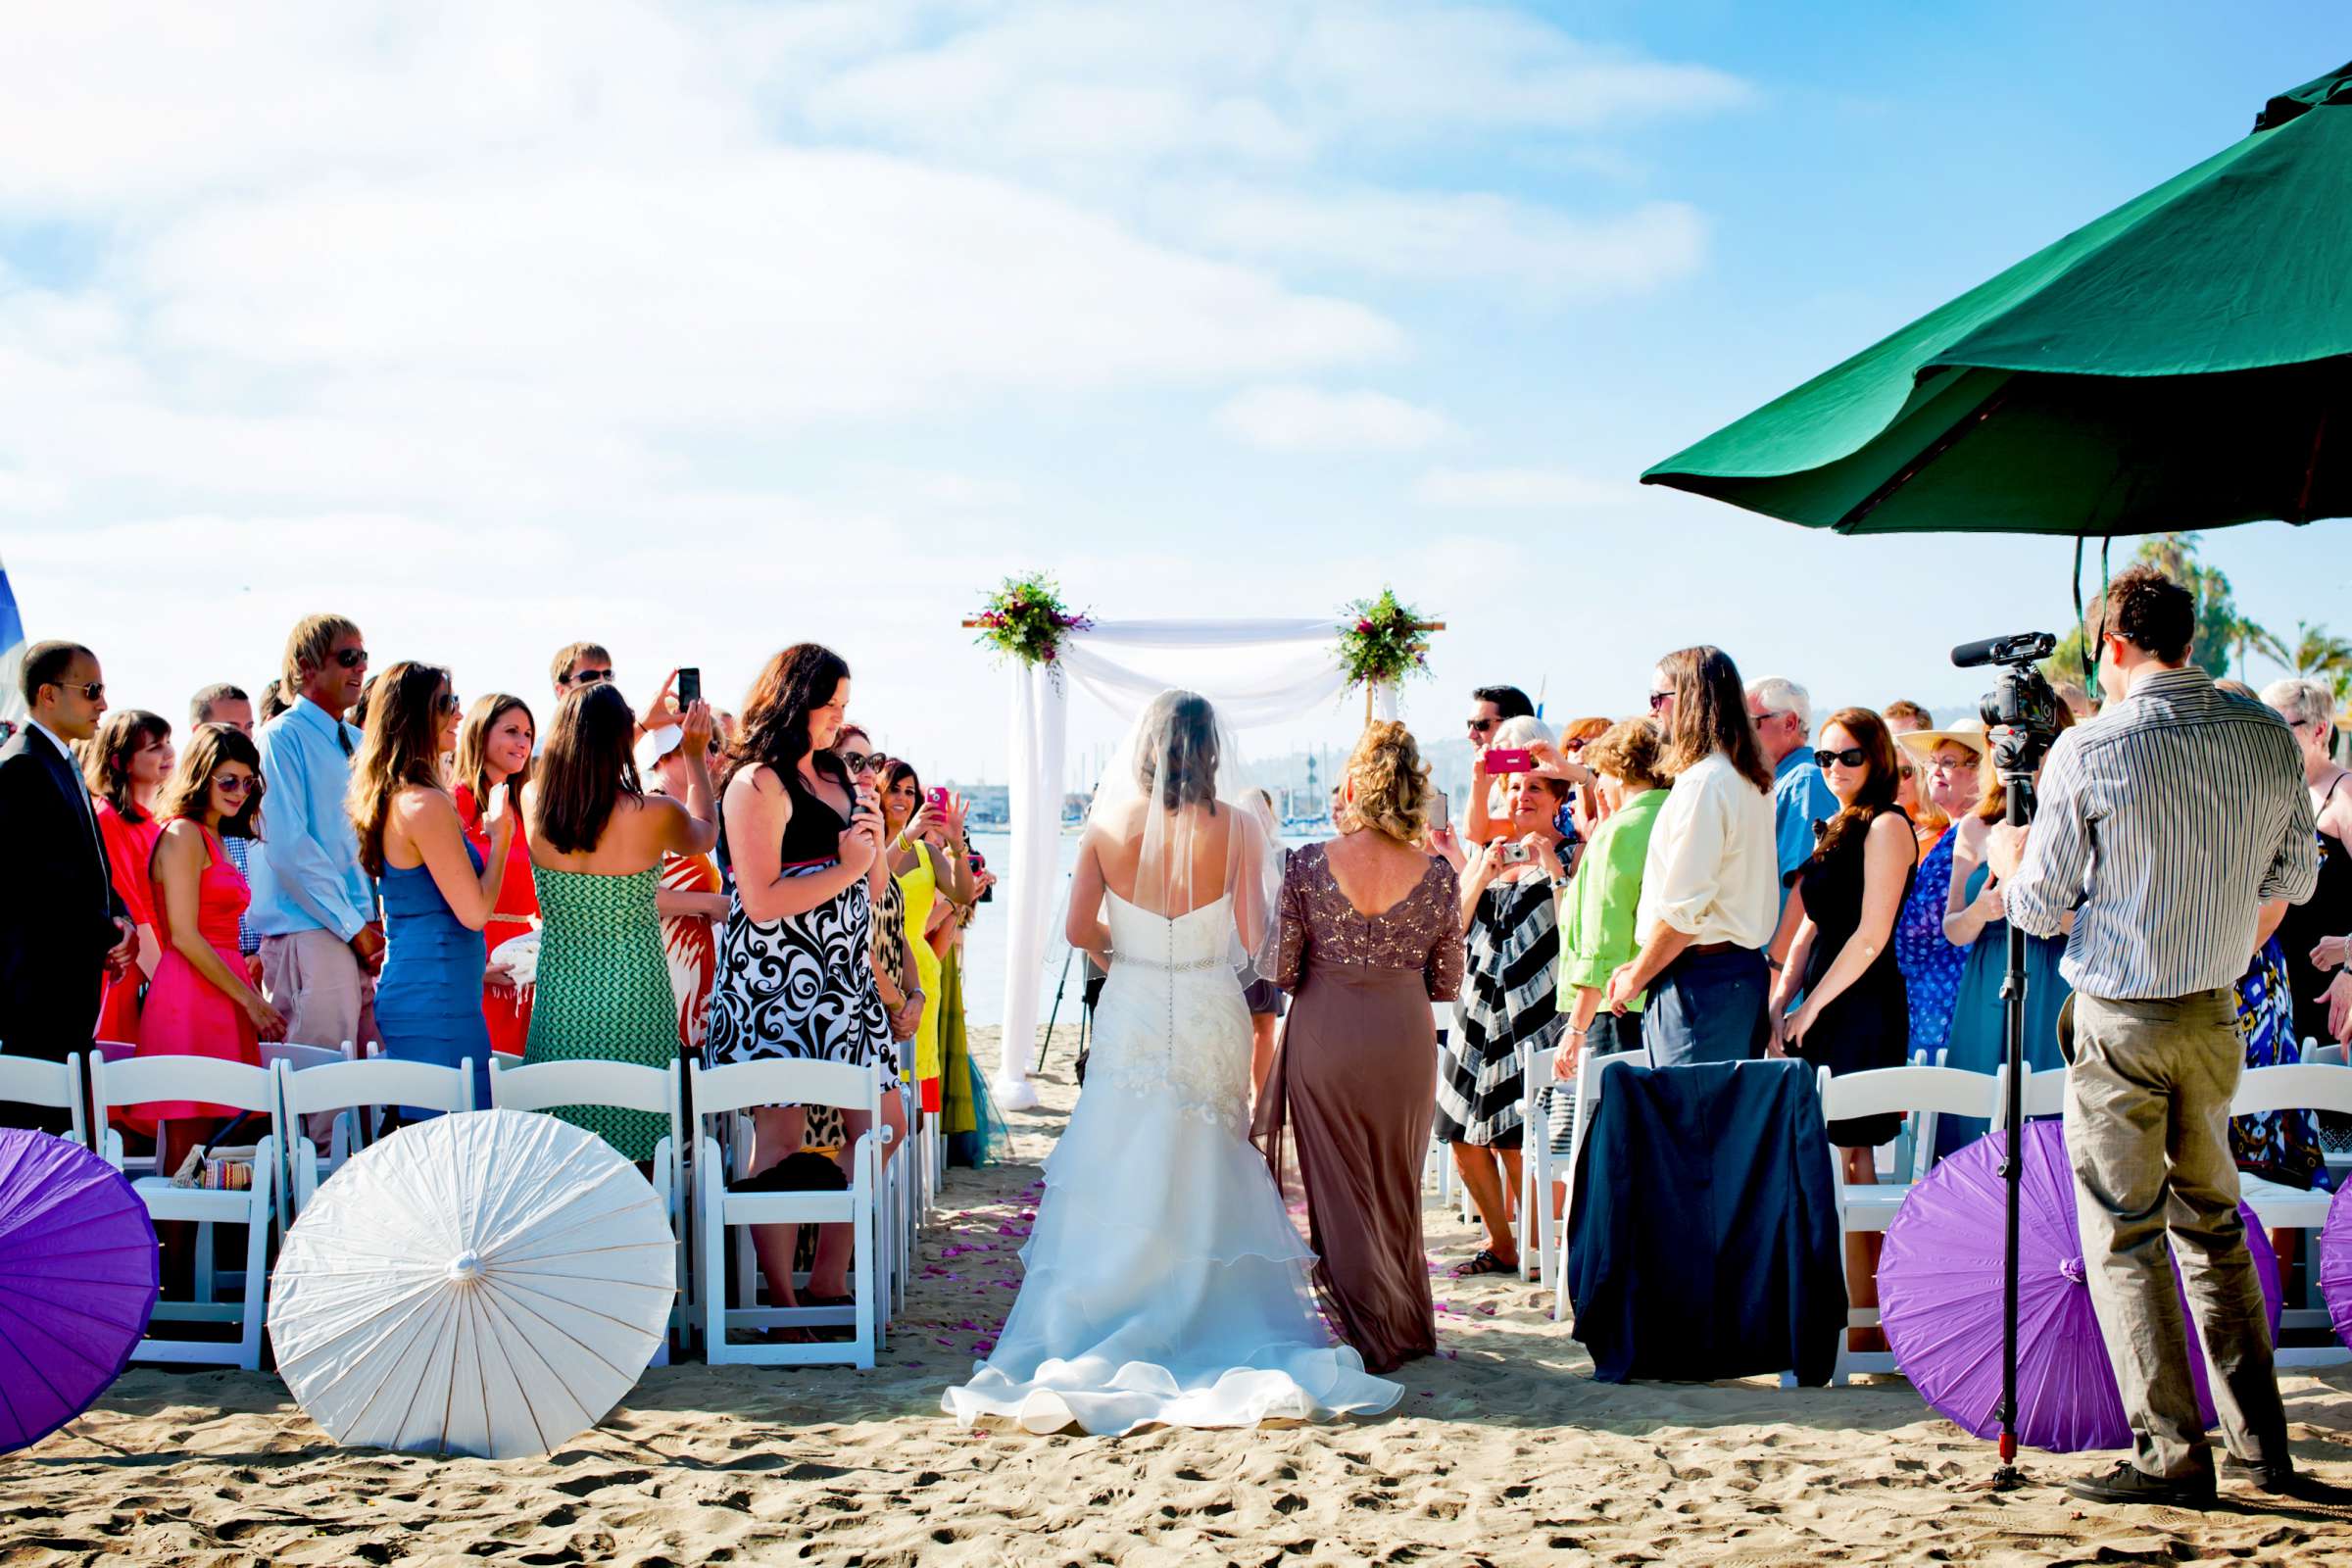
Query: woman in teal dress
597	841
438	889
1974	920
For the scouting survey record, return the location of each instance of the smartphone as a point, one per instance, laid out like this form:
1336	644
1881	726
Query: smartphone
1437	812
1509	759
937	798
690	687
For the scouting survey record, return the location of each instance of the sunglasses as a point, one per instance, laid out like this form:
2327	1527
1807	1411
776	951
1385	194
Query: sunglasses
90	690
447	703
1852	756
860	762
235	783
1479	726
1659	699
585	678
351	658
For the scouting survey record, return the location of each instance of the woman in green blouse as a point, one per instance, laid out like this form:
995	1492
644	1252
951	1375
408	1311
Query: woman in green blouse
1596	918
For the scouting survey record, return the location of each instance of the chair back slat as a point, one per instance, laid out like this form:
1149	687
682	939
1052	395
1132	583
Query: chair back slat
1901	1091
622	1085
784	1081
377	1081
2305	1085
207	1080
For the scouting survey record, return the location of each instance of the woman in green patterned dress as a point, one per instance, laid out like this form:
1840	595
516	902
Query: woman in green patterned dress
596	842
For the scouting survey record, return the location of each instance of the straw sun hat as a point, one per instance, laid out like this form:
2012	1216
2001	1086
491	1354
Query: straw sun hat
1968	733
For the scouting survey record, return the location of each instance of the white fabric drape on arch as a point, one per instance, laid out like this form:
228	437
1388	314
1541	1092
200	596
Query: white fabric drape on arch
1256	673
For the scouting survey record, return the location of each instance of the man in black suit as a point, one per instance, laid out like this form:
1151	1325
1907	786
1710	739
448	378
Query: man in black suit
63	928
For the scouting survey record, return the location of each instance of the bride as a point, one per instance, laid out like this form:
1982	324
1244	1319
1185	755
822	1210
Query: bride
1164	1281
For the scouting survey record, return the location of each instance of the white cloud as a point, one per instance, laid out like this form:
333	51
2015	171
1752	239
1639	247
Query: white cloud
1274	81
1471	236
1305	419
1540	489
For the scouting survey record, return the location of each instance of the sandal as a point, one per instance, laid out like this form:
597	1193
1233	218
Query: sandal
1486	1262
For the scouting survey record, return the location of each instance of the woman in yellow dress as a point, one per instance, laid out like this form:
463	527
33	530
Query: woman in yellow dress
927	857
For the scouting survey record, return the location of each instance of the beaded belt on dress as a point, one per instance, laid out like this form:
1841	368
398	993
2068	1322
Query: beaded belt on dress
1156	964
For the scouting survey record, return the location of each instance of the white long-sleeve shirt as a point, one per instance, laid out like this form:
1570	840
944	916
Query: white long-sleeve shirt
1713	869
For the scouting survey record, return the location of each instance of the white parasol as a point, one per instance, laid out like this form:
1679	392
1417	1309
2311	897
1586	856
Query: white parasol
489	1283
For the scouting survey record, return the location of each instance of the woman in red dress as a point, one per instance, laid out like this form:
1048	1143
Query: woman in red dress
201	1004
493	748
690	902
128	760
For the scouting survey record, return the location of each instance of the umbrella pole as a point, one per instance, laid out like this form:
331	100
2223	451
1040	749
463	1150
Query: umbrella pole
2020	811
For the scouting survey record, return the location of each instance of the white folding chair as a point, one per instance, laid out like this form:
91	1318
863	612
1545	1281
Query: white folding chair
623	1086
205	1080
1538	1168
2339	1161
1441	1156
50	1085
1590	1080
721	1091
2305	1085
2044	1094
1863	1206
349	1091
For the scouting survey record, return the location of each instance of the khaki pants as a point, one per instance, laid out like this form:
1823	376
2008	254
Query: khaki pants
315	981
2147	1131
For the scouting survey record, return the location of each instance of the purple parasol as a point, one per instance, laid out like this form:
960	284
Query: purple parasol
2335	1263
79	1274
1940	1298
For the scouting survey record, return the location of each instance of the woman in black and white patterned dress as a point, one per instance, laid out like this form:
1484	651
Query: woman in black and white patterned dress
1508	1014
803	849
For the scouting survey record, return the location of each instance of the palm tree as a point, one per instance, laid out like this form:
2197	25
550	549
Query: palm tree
2318	655
2247	637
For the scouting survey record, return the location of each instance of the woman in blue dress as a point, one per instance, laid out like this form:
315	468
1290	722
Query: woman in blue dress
1949	761
1974	920
438	889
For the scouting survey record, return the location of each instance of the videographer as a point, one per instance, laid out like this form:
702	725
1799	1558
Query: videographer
2164	824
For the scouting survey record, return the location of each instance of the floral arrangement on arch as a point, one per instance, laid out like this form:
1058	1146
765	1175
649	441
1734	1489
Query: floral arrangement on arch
1026	619
1382	640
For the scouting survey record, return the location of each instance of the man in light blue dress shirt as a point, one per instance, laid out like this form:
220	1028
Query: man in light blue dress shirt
314	906
1800	797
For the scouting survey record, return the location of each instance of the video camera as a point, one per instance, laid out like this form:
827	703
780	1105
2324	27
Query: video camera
2020	712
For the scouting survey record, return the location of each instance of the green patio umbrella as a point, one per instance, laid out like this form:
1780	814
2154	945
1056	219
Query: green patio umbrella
2180	364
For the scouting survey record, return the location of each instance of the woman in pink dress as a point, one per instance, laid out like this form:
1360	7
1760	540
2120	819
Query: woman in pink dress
128	760
493	748
201	1004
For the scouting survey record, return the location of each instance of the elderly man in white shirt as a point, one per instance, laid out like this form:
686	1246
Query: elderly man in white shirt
1710	885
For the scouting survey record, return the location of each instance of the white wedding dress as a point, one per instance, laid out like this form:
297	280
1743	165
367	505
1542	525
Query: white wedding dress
1164	1281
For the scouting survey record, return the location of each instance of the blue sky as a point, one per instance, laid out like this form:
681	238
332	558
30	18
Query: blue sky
704	329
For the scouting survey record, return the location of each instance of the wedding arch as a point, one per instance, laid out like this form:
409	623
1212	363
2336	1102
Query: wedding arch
1273	672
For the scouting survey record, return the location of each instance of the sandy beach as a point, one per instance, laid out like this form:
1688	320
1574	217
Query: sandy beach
1503	1451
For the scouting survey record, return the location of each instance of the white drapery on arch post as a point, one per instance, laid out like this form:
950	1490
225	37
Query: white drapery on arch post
1276	671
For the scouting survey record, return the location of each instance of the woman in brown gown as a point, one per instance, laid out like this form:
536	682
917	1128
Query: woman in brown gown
1371	935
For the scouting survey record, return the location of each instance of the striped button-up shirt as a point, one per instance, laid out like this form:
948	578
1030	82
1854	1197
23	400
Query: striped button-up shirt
2166	823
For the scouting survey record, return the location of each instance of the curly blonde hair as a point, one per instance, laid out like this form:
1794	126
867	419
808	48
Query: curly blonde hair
1392	782
1629	750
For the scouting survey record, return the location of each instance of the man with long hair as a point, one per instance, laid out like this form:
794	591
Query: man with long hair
1710	892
